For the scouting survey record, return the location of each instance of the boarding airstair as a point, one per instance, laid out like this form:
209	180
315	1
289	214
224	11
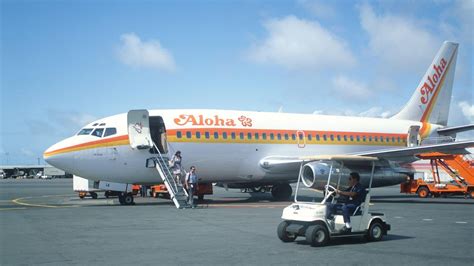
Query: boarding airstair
176	191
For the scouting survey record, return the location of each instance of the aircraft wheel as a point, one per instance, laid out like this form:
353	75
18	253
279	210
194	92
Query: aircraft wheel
423	192
283	234
282	191
317	235
375	231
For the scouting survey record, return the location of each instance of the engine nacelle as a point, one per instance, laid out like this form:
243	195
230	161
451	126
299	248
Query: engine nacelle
315	174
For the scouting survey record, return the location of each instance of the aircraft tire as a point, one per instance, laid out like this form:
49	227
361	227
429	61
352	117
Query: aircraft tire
282	191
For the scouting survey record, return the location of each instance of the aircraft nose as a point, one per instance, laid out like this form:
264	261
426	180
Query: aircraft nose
58	156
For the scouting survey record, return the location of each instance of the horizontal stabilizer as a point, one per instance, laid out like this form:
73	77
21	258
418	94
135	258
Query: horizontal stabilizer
454	130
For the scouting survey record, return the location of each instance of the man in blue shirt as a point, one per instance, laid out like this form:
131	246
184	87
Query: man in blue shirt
191	185
356	194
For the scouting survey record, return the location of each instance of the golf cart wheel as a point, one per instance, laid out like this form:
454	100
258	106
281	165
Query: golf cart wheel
283	234
317	235
423	192
375	232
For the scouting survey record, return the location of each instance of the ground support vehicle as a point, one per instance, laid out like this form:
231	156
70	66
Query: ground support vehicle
162	191
309	219
460	170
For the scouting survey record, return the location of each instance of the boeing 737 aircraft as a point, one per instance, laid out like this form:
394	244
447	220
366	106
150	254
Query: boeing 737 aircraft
248	149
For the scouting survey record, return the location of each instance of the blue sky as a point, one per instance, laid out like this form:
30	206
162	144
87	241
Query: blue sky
66	63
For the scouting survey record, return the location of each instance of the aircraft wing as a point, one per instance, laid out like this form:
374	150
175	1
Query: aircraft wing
397	154
290	164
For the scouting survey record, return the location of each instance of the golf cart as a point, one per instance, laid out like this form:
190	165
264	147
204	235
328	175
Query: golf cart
308	219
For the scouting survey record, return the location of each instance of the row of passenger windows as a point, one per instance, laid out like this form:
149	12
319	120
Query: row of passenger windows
285	136
98	132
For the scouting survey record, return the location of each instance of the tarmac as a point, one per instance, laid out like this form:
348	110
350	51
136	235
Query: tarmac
43	222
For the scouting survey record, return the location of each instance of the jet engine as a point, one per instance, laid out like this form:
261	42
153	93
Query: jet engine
315	174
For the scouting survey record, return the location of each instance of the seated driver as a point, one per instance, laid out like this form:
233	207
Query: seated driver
356	193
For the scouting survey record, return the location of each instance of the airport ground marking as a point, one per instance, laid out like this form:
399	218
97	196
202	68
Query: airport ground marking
19	202
12	209
428	220
461	222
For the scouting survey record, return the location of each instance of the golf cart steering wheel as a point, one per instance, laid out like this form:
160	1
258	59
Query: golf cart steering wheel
330	190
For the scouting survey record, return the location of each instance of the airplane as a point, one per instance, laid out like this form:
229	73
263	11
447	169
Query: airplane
248	149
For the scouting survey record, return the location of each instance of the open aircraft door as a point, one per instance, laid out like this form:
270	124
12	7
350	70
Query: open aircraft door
139	129
413	138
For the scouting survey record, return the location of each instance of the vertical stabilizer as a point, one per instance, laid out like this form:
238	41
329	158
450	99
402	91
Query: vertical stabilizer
431	100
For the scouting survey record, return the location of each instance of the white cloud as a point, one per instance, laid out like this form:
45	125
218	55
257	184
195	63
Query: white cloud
400	42
320	9
348	88
149	54
376	112
371	112
467	110
301	44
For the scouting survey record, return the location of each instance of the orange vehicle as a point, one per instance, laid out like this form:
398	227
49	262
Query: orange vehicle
203	189
460	169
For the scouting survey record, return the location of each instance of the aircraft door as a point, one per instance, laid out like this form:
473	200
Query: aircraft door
413	138
301	138
139	129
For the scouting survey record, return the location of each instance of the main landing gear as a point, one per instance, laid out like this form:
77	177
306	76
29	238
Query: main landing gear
282	191
126	198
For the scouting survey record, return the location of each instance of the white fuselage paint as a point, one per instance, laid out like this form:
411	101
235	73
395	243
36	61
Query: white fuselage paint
229	161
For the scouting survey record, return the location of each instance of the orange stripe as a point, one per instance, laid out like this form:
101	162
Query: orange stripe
172	135
429	109
119	140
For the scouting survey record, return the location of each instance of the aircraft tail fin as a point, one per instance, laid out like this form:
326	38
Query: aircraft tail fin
431	100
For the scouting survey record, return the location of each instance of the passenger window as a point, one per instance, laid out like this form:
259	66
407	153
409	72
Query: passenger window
279	136
352	138
256	135
241	135
207	135
338	138
370	138
310	137
216	135
398	139
224	135
178	134
317	137
364	138
358	138
393	139
387	139
85	131
272	136
293	136
345	138
376	139
198	135
232	135
249	135
332	137
325	137
98	132
188	134
381	139
286	137
110	131
264	135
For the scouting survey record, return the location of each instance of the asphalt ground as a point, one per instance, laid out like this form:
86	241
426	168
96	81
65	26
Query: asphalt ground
42	222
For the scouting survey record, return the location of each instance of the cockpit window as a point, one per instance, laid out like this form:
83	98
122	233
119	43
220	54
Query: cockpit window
98	132
85	131
110	131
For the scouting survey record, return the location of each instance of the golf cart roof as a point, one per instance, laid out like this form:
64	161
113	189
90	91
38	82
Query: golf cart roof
344	158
